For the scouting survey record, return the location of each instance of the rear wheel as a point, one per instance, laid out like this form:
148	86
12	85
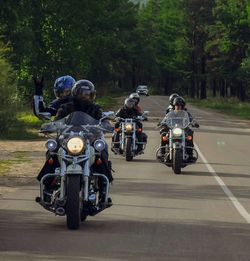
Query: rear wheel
128	146
177	161
73	202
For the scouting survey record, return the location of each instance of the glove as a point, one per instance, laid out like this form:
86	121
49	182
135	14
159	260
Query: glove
38	86
196	125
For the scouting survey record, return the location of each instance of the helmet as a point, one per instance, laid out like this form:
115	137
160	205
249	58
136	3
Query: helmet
84	90
179	101
129	103
172	97
63	85
135	96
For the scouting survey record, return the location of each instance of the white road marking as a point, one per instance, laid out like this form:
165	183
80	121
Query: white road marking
243	212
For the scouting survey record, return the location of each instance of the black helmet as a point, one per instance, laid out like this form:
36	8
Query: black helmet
84	89
172	97
179	101
129	103
135	96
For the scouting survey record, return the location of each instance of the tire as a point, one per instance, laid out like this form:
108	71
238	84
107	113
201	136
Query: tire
177	161
83	215
128	149
73	202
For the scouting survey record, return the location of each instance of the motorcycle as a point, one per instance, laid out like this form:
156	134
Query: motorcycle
127	144
77	144
177	136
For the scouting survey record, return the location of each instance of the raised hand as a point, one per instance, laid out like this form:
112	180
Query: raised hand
38	85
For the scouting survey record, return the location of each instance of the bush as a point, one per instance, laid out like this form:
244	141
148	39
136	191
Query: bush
8	104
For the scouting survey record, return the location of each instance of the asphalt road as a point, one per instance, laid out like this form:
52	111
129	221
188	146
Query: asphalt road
202	214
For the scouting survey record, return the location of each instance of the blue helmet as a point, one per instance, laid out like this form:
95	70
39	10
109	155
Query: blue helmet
63	86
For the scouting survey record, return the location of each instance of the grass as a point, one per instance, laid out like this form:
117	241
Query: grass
106	102
5	165
27	125
230	106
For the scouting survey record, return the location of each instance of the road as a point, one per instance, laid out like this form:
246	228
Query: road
202	214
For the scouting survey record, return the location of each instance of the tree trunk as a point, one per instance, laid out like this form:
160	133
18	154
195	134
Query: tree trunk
203	92
214	87
222	88
192	86
242	91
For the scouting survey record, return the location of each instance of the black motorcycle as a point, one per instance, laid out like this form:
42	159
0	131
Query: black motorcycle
177	136
127	143
76	142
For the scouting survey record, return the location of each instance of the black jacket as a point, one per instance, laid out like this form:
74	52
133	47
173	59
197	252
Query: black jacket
90	108
128	113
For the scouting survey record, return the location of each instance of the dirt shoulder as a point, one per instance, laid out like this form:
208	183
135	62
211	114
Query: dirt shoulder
20	162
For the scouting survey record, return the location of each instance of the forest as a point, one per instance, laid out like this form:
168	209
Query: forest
195	47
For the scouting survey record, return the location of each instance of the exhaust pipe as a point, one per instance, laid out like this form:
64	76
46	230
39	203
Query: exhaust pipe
60	211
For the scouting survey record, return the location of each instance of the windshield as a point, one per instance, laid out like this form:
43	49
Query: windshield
177	119
76	122
142	88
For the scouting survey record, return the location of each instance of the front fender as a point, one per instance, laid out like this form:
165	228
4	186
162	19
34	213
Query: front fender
74	169
177	145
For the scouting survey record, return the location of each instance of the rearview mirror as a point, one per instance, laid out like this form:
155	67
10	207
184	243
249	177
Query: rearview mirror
107	114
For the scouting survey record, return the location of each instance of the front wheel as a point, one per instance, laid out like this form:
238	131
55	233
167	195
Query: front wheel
128	149
73	202
177	161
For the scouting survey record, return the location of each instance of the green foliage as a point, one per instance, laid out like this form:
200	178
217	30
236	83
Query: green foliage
230	106
8	105
169	44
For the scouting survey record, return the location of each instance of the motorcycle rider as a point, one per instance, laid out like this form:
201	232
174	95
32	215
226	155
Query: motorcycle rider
129	110
62	91
136	97
171	99
83	96
178	105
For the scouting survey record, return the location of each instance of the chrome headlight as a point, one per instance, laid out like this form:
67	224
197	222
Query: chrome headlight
128	127
75	145
99	145
177	132
51	145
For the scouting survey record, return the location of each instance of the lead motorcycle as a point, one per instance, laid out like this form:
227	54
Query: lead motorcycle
127	144
77	144
174	153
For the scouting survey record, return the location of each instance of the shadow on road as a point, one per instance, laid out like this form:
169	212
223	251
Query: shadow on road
30	235
176	191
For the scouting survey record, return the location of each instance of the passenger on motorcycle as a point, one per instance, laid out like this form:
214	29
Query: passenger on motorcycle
62	91
179	104
129	110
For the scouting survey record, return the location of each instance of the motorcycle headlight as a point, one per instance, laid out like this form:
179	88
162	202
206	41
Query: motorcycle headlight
51	145
177	132
75	145
99	145
129	127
